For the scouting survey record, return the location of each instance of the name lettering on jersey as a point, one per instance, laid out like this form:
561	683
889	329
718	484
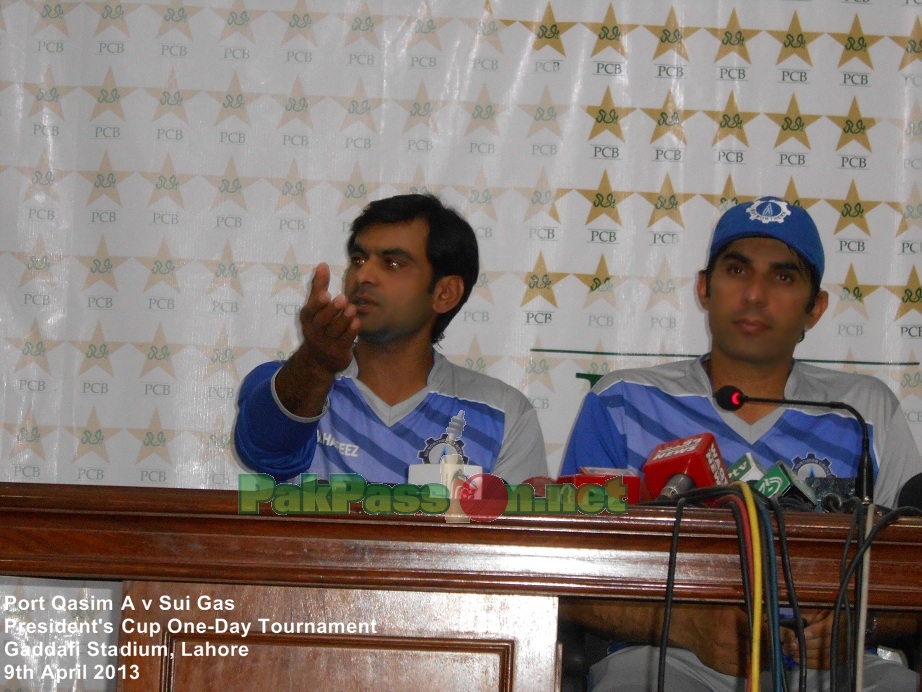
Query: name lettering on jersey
347	449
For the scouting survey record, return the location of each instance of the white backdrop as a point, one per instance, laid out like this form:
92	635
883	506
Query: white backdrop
171	172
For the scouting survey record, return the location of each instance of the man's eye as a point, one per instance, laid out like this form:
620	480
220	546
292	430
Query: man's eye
356	261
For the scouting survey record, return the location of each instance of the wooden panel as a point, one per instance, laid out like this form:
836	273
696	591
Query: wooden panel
402	640
197	535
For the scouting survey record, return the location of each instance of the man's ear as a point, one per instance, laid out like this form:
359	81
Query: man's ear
819	307
447	293
701	287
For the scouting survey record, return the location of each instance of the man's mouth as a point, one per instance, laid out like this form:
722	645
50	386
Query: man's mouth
750	325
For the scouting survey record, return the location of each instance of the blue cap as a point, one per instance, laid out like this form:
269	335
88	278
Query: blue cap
771	217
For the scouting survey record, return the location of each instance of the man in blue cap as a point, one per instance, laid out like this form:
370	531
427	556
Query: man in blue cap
761	291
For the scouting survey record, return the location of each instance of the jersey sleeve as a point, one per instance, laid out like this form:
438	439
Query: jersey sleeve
899	456
522	454
595	439
267	438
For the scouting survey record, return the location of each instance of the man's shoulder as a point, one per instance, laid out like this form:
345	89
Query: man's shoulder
456	380
834	385
678	378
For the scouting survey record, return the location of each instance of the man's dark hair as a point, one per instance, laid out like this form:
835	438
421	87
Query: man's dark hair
814	277
451	245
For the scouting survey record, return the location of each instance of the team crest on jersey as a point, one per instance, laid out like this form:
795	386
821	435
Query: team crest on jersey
811	466
449	443
769	210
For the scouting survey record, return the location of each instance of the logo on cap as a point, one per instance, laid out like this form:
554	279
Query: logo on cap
768	210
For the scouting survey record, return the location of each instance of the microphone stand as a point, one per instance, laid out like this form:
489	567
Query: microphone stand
731	398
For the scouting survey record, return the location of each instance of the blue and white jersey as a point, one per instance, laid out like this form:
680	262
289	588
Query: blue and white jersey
630	412
460	411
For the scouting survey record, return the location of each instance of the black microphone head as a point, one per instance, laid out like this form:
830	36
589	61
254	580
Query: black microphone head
729	398
911	494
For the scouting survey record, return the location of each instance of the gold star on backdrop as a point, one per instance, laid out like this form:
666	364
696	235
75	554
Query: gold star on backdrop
289	275
484	112
108	97
230	186
105	181
363	25
359	108
225	272
910	211
602	284
284	349
293	189
856	44
727	198
424	28
609	33
733	39
486	28
542	198
300	22
669	119
792	196
47	94
475	359
34	349
607	117
217	442
222	357
852	210
795	41
113	17
96	351
911	45
167	183
910	295
545	114
793	124
421	186
154	439
171	99
38	263
604	200
909	378
100	267
549	32
665	287
233	102
420	110
731	121
480	197
237	19
296	106
91	438
356	192
28	435
162	268
175	15
670	36
540	282
853	126
43	180
483	287
158	354
851	293
52	15
667	203
537	366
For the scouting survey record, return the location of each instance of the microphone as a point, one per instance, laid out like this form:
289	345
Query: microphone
911	493
731	398
692	462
